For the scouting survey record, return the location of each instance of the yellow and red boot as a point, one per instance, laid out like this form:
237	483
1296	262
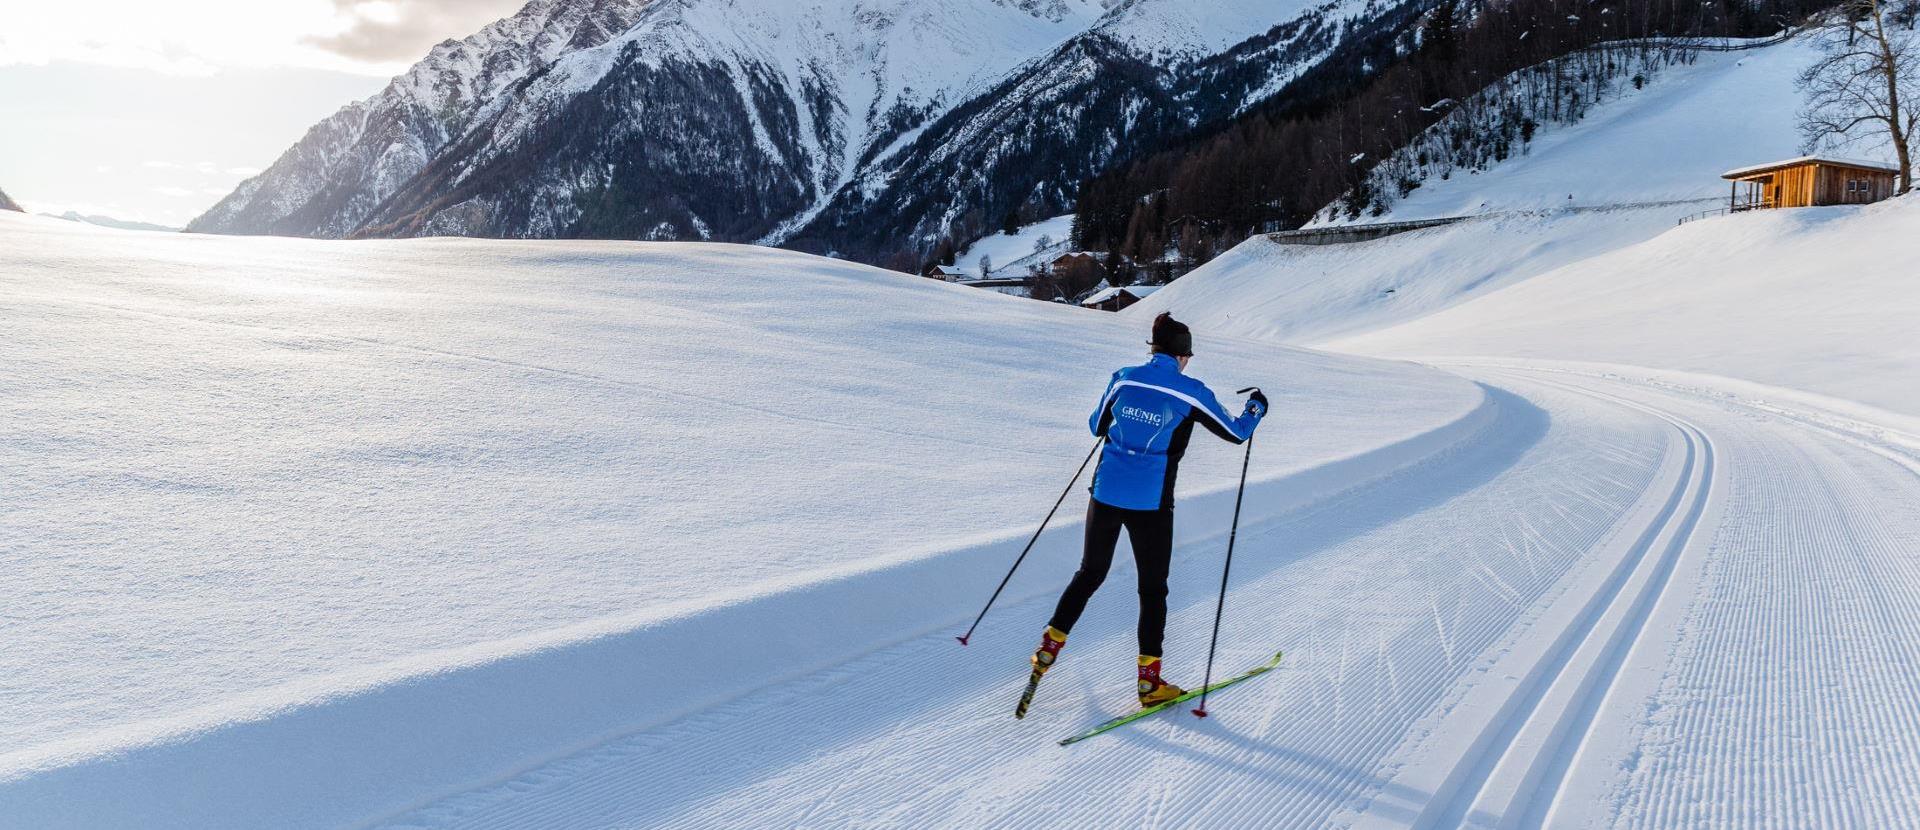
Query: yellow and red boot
1049	650
1153	690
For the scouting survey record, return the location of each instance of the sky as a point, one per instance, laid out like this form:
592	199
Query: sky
153	111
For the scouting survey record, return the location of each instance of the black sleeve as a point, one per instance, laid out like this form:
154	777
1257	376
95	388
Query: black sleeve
1216	427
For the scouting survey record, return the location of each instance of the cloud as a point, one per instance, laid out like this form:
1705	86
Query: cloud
403	30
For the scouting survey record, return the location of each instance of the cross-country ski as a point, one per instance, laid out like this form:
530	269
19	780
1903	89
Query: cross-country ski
1123	720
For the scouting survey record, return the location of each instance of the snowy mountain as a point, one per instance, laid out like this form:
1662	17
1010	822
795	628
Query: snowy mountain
855	126
7	203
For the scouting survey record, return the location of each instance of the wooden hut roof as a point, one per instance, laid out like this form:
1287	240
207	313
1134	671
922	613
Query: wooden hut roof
1830	161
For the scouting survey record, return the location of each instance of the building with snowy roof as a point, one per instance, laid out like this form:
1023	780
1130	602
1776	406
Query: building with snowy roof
1810	181
1114	299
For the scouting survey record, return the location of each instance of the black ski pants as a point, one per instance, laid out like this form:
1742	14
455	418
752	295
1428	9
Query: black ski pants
1150	532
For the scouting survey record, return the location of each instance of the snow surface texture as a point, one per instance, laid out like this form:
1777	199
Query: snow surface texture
1820	300
1314	293
433	510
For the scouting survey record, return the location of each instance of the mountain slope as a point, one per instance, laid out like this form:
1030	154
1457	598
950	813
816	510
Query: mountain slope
860	127
1624	196
586	109
7	203
1146	74
334	177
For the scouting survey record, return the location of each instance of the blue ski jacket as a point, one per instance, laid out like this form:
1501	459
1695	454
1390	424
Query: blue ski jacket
1147	416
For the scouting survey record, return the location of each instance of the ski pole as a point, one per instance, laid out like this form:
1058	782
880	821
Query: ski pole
1221	608
1036	537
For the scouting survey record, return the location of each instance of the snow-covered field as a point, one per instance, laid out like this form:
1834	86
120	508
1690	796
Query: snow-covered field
434	510
1820	300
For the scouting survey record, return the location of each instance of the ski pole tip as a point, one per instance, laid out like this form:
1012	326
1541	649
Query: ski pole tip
963	640
1200	713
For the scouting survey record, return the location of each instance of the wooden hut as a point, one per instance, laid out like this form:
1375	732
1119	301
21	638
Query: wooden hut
1810	181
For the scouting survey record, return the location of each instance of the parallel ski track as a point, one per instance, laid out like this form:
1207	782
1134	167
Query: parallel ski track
1547	768
1385	600
1747	662
1789	697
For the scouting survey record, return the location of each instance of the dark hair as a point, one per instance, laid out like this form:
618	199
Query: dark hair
1171	337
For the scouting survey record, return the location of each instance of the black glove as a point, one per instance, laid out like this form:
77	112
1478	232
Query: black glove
1257	403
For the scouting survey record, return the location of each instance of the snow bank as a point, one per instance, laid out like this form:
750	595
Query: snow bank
1819	300
1313	293
303	531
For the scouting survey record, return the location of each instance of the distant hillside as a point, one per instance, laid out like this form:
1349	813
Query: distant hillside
7	203
110	222
1322	139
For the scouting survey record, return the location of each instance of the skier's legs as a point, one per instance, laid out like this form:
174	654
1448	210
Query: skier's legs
1103	533
1150	532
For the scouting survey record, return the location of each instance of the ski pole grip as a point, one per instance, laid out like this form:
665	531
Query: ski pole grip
1248	389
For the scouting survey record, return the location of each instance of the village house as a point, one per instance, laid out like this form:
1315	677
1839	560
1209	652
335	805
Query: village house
1114	299
947	273
1081	259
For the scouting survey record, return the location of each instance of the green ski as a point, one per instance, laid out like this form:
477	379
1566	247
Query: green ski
1123	720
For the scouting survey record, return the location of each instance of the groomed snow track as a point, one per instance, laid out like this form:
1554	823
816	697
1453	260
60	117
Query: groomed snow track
1629	604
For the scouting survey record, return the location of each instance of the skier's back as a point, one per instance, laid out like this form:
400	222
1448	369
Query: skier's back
1147	417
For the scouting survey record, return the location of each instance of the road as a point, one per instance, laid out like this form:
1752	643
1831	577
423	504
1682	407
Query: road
1630	604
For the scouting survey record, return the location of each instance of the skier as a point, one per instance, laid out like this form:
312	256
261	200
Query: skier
1147	415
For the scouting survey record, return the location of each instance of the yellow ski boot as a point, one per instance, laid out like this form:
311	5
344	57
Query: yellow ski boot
1153	690
1049	650
1043	658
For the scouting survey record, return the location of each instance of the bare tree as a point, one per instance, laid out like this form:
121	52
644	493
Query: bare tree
986	266
1859	88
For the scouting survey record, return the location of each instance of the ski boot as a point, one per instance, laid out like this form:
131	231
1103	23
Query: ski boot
1153	690
1049	650
1043	658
